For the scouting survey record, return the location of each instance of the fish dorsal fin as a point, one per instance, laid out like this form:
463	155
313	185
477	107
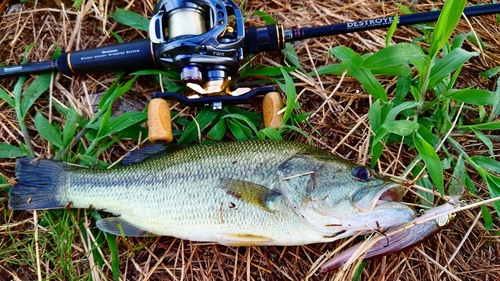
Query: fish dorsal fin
118	226
150	152
236	239
252	193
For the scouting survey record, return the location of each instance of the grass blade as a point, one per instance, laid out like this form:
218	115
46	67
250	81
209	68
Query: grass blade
447	21
131	19
10	151
398	54
474	96
449	63
218	130
431	160
352	60
33	92
203	119
291	96
5	97
47	131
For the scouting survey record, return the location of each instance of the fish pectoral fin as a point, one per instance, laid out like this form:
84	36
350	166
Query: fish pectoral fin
120	227
237	239
252	193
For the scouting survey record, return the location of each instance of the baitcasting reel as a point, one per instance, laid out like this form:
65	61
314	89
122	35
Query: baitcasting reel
196	38
203	40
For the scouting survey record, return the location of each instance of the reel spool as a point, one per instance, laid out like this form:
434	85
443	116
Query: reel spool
196	38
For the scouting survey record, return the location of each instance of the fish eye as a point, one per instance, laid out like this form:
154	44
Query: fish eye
361	173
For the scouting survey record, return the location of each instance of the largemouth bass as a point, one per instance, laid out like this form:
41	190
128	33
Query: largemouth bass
236	193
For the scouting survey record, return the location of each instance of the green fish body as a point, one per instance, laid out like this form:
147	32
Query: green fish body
236	193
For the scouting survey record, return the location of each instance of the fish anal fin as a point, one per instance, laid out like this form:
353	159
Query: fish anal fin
118	226
252	193
245	239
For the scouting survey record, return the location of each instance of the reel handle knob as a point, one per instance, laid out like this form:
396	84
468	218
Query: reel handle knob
271	105
159	121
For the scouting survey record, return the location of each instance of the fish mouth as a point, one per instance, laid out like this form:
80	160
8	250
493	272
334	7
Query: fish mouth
391	193
371	198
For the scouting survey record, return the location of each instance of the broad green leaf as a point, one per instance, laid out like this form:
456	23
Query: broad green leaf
459	40
102	122
291	96
245	129
401	127
8	99
446	23
397	70
271	133
265	17
485	140
375	115
265	71
493	183
402	53
421	65
165	72
131	19
114	92
391	116
335	69
70	126
474	96
291	56
431	138
205	117
381	133
301	117
236	130
218	131
391	30
431	160
352	60
449	63
487	163
124	121
490	73
10	151
57	53
402	88
33	92
416	93
457	184
244	119
427	197
484	126
48	132
403	8
487	218
376	151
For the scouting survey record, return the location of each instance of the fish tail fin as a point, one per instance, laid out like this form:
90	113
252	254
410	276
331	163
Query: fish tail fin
38	185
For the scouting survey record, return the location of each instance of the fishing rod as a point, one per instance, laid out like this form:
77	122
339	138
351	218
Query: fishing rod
151	53
207	53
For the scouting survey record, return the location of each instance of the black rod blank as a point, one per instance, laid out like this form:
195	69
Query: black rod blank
363	25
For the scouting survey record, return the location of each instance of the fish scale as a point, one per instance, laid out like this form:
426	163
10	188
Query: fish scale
238	193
